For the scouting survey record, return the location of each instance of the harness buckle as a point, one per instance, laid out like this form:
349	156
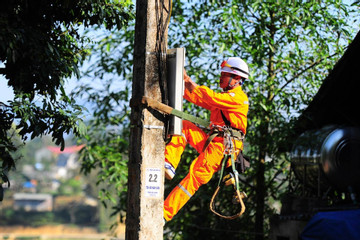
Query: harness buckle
229	180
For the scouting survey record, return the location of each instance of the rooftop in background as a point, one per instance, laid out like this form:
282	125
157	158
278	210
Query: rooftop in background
337	101
71	149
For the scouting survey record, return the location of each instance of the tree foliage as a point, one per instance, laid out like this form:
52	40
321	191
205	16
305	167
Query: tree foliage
105	89
289	46
40	46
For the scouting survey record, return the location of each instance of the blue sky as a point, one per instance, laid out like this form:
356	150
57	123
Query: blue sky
8	94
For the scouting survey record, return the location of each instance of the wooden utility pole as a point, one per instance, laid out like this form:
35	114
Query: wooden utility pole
144	219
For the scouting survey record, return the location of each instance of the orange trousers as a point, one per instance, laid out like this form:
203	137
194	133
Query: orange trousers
201	170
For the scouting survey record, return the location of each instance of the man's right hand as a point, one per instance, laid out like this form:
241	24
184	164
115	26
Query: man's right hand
189	84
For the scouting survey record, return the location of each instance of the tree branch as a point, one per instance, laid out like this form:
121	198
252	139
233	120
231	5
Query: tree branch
303	71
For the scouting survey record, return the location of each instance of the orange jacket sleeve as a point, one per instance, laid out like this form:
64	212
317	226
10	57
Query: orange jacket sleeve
234	104
207	98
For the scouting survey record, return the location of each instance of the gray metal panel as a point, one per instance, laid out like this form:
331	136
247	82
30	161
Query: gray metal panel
175	68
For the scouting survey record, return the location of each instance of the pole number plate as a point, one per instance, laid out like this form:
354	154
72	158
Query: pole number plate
153	183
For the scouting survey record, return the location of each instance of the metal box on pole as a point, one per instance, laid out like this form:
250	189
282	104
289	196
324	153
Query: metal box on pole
175	68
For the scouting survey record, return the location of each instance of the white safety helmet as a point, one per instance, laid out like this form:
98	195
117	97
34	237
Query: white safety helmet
235	65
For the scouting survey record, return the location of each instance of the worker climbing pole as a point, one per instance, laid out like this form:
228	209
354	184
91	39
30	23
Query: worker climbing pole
219	148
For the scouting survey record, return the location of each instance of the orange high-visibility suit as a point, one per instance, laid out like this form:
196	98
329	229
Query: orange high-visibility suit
234	105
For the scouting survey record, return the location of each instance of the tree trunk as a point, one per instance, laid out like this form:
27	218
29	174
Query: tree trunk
264	132
260	197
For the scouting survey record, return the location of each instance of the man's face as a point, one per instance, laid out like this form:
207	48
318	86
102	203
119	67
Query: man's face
224	79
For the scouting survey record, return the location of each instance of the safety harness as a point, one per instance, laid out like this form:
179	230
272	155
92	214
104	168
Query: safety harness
230	135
